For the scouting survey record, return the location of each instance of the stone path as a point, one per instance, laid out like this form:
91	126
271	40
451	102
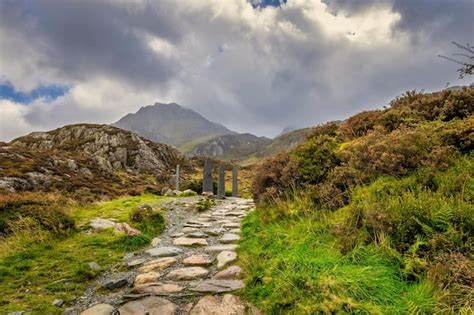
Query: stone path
190	270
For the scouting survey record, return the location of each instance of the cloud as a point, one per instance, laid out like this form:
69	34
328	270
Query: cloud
254	69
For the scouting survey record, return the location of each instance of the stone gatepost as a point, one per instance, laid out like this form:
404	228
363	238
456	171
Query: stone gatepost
178	179
221	182
235	182
207	177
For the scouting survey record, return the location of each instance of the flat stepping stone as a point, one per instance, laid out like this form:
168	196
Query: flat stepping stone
197	235
136	262
235	214
99	309
143	278
215	305
197	260
157	264
216	286
225	257
157	288
187	241
165	251
235	231
150	305
179	234
229	238
231	273
220	248
189	230
214	232
231	225
188	273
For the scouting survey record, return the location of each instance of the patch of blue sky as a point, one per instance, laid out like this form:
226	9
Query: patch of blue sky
48	93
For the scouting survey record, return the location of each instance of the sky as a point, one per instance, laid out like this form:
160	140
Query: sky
254	66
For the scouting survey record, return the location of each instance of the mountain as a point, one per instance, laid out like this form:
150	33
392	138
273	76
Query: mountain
247	147
230	147
288	129
100	158
171	124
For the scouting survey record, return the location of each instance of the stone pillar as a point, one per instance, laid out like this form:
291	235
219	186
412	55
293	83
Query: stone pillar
207	177
178	179
235	182
221	183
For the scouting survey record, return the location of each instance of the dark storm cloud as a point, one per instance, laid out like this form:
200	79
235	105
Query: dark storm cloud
80	39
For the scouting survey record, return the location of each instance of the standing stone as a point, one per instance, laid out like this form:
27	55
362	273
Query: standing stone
235	183
207	178
221	183
177	177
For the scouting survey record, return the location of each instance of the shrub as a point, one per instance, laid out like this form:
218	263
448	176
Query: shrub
139	214
274	177
316	158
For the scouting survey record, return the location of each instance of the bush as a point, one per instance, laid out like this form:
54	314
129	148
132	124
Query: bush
274	176
141	213
316	158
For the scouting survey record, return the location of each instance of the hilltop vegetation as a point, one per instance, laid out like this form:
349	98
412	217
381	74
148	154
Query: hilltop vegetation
373	215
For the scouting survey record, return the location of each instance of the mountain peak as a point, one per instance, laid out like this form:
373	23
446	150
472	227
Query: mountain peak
171	124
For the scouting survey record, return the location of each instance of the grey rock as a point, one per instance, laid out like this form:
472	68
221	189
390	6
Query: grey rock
216	286
99	309
219	248
115	283
150	305
58	302
94	266
164	251
225	257
229	238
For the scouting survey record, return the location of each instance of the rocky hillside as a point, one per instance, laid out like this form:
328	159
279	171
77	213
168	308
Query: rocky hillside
99	158
171	123
247	147
231	147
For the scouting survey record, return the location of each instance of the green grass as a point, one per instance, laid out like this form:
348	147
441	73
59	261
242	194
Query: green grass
33	274
293	266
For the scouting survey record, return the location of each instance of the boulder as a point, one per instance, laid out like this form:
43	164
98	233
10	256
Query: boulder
100	224
229	238
164	251
143	278
150	305
225	257
157	288
214	305
231	273
188	273
157	264
186	241
197	260
219	248
99	309
216	286
127	229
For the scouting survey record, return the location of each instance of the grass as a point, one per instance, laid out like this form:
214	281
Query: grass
293	266
35	271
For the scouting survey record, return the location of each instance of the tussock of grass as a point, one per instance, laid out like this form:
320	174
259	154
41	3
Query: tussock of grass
35	271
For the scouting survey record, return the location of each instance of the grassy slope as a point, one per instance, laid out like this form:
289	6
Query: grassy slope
293	266
295	262
33	274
